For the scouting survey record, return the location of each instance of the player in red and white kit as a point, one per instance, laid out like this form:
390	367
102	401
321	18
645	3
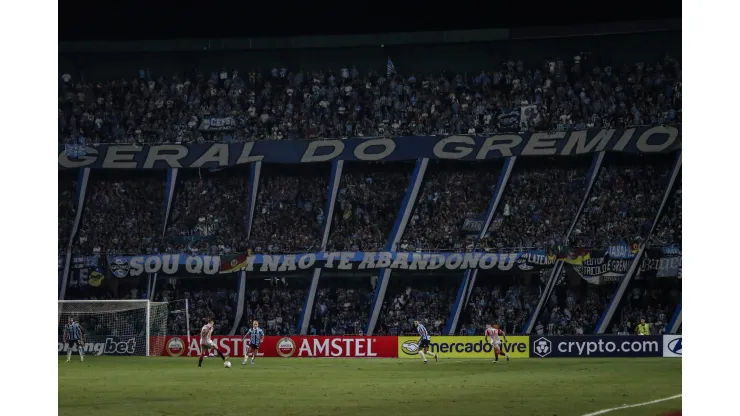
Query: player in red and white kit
207	344
493	334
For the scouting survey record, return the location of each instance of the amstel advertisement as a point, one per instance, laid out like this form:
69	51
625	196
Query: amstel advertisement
293	346
464	347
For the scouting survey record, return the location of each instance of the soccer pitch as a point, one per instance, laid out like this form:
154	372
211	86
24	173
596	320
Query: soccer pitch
175	386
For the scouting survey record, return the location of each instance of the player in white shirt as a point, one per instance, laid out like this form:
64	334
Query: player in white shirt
493	334
207	344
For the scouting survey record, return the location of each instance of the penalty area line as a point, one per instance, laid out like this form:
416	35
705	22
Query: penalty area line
629	406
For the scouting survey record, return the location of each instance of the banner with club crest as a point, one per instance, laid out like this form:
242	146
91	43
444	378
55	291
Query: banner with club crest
594	266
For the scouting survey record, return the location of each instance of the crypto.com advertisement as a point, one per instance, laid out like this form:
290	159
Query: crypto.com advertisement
596	346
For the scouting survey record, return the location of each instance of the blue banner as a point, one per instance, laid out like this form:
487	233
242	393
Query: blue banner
469	148
79	262
595	270
671	250
172	264
622	251
132	266
218	124
472	225
595	346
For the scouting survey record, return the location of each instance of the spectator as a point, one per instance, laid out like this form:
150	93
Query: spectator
574	308
123	213
668	232
342	306
539	205
408	299
450	194
624	201
67	209
209	212
556	95
290	210
367	204
275	305
206	300
508	301
651	299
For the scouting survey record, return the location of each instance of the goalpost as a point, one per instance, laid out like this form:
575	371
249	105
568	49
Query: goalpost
117	327
179	317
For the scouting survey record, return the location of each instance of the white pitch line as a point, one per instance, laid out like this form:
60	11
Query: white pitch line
629	406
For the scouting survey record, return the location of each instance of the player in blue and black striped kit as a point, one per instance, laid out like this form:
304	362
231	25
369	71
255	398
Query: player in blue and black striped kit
424	342
73	335
255	335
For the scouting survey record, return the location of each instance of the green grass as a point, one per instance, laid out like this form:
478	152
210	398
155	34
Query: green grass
307	387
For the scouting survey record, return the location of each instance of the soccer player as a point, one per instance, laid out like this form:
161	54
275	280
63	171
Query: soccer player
255	334
73	335
424	342
207	344
492	336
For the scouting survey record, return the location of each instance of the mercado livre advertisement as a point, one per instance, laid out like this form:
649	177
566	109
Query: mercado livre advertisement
464	346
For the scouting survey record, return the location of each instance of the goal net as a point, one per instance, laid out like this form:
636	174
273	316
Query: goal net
116	327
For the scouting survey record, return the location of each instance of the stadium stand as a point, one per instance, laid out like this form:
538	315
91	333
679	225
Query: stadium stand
275	302
539	210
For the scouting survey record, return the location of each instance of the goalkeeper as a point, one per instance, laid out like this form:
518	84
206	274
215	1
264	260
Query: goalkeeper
73	335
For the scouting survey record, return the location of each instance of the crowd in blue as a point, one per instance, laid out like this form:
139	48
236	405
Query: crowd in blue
123	210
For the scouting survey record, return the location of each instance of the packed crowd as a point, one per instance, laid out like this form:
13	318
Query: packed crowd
538	205
284	104
573	309
655	301
367	204
275	303
342	306
654	316
67	211
450	194
122	213
205	300
668	231
209	212
624	201
505	301
427	299
79	288
289	215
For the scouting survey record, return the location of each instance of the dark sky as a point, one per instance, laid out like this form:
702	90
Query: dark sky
162	19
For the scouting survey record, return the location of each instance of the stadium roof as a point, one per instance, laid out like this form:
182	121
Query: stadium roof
85	20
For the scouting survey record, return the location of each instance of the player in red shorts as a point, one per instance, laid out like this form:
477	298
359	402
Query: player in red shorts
493	334
207	344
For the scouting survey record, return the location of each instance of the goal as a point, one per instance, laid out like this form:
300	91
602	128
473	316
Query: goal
116	327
